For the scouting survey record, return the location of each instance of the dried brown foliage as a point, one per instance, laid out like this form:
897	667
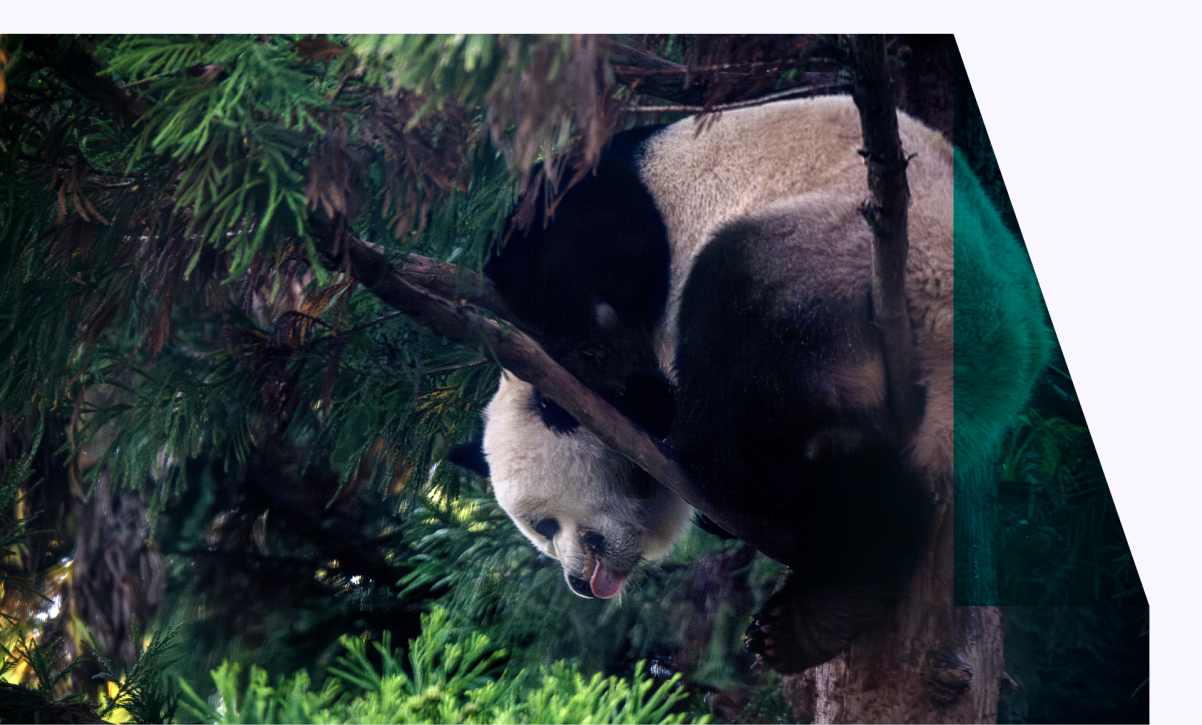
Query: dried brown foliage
562	106
424	157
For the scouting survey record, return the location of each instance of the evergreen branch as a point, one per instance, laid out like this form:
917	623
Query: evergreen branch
139	690
450	681
45	661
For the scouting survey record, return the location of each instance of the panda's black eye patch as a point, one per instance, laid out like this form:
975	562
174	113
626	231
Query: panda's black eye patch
547	528
554	417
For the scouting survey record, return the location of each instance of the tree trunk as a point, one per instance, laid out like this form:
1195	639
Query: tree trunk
116	580
933	662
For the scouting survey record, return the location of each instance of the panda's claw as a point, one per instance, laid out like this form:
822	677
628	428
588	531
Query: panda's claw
811	624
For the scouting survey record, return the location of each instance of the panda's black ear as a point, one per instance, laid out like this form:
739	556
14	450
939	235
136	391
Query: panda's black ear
469	455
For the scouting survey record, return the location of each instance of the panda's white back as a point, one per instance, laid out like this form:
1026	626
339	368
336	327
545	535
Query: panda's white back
802	158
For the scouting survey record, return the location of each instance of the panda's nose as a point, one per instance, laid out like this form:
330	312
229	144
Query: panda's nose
580	586
592	542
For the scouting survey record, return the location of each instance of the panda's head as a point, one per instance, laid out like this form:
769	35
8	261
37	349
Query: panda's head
578	502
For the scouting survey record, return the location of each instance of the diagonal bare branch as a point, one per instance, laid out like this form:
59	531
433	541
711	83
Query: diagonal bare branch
460	321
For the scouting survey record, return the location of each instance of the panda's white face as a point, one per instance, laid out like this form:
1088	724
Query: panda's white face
574	499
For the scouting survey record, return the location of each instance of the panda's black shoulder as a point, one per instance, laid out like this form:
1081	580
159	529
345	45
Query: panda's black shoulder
590	278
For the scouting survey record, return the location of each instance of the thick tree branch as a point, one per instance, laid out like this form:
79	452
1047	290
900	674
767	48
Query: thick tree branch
515	350
887	213
518	353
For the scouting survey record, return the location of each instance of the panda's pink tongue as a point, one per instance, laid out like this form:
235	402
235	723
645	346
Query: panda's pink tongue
606	583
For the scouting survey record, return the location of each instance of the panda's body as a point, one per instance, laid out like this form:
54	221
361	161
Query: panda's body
714	284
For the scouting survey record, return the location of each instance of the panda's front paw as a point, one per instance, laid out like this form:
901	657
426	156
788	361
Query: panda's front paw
802	626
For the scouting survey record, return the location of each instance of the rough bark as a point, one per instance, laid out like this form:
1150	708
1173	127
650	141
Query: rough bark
117	580
455	283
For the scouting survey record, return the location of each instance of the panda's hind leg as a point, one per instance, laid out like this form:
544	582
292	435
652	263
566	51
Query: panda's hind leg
781	418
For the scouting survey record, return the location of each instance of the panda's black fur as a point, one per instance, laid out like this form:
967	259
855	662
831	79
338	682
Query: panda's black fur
606	244
751	347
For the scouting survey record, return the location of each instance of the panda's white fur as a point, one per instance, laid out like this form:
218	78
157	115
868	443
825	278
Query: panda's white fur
536	475
794	163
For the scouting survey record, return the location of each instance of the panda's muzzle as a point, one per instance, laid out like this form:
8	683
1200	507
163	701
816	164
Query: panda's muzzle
600	578
593	542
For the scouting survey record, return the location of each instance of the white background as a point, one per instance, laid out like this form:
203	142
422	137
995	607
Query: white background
1093	115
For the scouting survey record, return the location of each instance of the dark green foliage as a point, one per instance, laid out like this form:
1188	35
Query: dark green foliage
14	520
162	299
1060	539
691	609
214	184
1077	664
46	663
238	131
143	691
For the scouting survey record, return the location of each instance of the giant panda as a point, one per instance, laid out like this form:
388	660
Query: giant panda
712	280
